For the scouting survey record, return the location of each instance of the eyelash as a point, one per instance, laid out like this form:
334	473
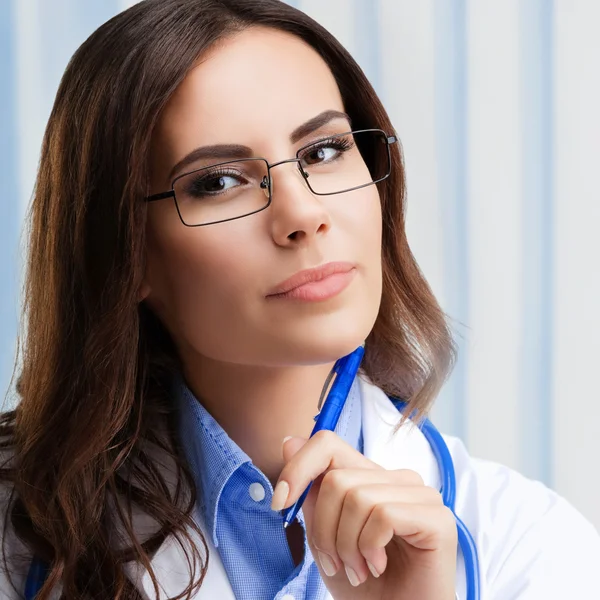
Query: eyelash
332	142
337	143
215	174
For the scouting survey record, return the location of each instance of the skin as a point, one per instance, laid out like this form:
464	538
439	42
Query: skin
247	356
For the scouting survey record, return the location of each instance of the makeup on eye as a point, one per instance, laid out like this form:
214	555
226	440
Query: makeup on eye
199	185
222	152
199	182
339	144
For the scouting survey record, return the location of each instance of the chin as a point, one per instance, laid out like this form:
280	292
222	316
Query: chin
324	344
330	335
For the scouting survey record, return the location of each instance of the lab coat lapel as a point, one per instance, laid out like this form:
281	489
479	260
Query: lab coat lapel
406	449
172	571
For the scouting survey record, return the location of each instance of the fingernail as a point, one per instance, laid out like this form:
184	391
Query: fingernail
327	564
285	439
373	570
282	490
352	576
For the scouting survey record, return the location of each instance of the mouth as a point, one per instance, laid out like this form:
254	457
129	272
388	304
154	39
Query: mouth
317	284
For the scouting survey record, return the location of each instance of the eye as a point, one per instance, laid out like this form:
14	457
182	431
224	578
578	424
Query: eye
210	184
317	155
326	151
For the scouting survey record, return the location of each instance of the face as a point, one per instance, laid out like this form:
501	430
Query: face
211	285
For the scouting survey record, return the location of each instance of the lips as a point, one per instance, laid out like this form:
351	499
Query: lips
310	276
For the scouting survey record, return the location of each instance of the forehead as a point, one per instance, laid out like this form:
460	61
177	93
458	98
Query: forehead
257	83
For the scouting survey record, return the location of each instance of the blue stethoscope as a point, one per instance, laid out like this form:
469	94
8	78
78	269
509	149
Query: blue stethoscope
346	369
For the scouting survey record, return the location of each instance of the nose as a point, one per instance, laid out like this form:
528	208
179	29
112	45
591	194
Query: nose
297	215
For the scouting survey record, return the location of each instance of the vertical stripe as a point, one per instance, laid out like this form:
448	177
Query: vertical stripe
75	21
537	167
505	221
576	250
494	230
451	153
407	40
366	40
39	38
9	206
334	16
32	107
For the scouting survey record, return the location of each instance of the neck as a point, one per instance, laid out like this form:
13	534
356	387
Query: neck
259	406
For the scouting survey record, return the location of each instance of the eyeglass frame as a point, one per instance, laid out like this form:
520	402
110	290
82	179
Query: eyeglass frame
268	184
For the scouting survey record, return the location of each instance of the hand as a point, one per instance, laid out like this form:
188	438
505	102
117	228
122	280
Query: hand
357	511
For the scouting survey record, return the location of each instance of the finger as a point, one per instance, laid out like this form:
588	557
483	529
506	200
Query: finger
321	453
358	490
291	446
425	527
344	505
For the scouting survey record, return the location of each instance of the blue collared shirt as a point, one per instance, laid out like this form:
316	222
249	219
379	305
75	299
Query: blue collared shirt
234	500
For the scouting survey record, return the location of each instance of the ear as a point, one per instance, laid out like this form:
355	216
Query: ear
144	291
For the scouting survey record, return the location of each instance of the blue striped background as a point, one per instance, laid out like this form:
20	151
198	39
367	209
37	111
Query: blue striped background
64	25
9	206
435	67
536	37
75	21
450	72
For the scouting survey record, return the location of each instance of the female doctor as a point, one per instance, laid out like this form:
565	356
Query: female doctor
219	217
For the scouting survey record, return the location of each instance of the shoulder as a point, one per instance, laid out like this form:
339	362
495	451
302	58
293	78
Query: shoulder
532	542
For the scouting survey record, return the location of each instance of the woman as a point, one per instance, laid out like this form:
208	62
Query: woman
207	238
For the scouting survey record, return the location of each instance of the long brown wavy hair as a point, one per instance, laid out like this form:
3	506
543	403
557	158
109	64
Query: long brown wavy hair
95	365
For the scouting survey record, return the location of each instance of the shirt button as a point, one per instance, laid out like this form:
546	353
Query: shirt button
288	597
257	492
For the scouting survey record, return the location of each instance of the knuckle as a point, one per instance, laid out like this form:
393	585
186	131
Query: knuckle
332	480
432	494
355	498
325	436
448	516
380	514
450	531
444	516
409	477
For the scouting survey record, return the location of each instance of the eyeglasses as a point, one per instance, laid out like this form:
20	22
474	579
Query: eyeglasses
234	189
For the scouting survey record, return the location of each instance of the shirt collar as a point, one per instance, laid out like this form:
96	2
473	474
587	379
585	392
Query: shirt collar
214	457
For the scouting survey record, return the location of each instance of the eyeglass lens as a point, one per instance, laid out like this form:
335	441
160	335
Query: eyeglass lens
234	189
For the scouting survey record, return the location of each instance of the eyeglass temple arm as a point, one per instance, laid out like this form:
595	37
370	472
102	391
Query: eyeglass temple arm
391	139
161	196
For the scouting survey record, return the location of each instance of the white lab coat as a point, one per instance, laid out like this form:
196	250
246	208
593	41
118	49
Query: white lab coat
532	544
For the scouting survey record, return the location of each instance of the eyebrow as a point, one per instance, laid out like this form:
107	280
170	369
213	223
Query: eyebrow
235	151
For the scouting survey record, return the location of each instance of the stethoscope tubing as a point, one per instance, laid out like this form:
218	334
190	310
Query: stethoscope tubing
448	490
38	569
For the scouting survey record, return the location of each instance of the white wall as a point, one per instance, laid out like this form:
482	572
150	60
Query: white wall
496	104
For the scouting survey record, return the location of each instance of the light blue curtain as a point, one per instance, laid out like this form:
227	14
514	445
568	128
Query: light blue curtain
496	105
9	206
37	40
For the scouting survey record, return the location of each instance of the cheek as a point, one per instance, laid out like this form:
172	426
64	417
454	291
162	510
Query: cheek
365	226
199	279
367	235
375	218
